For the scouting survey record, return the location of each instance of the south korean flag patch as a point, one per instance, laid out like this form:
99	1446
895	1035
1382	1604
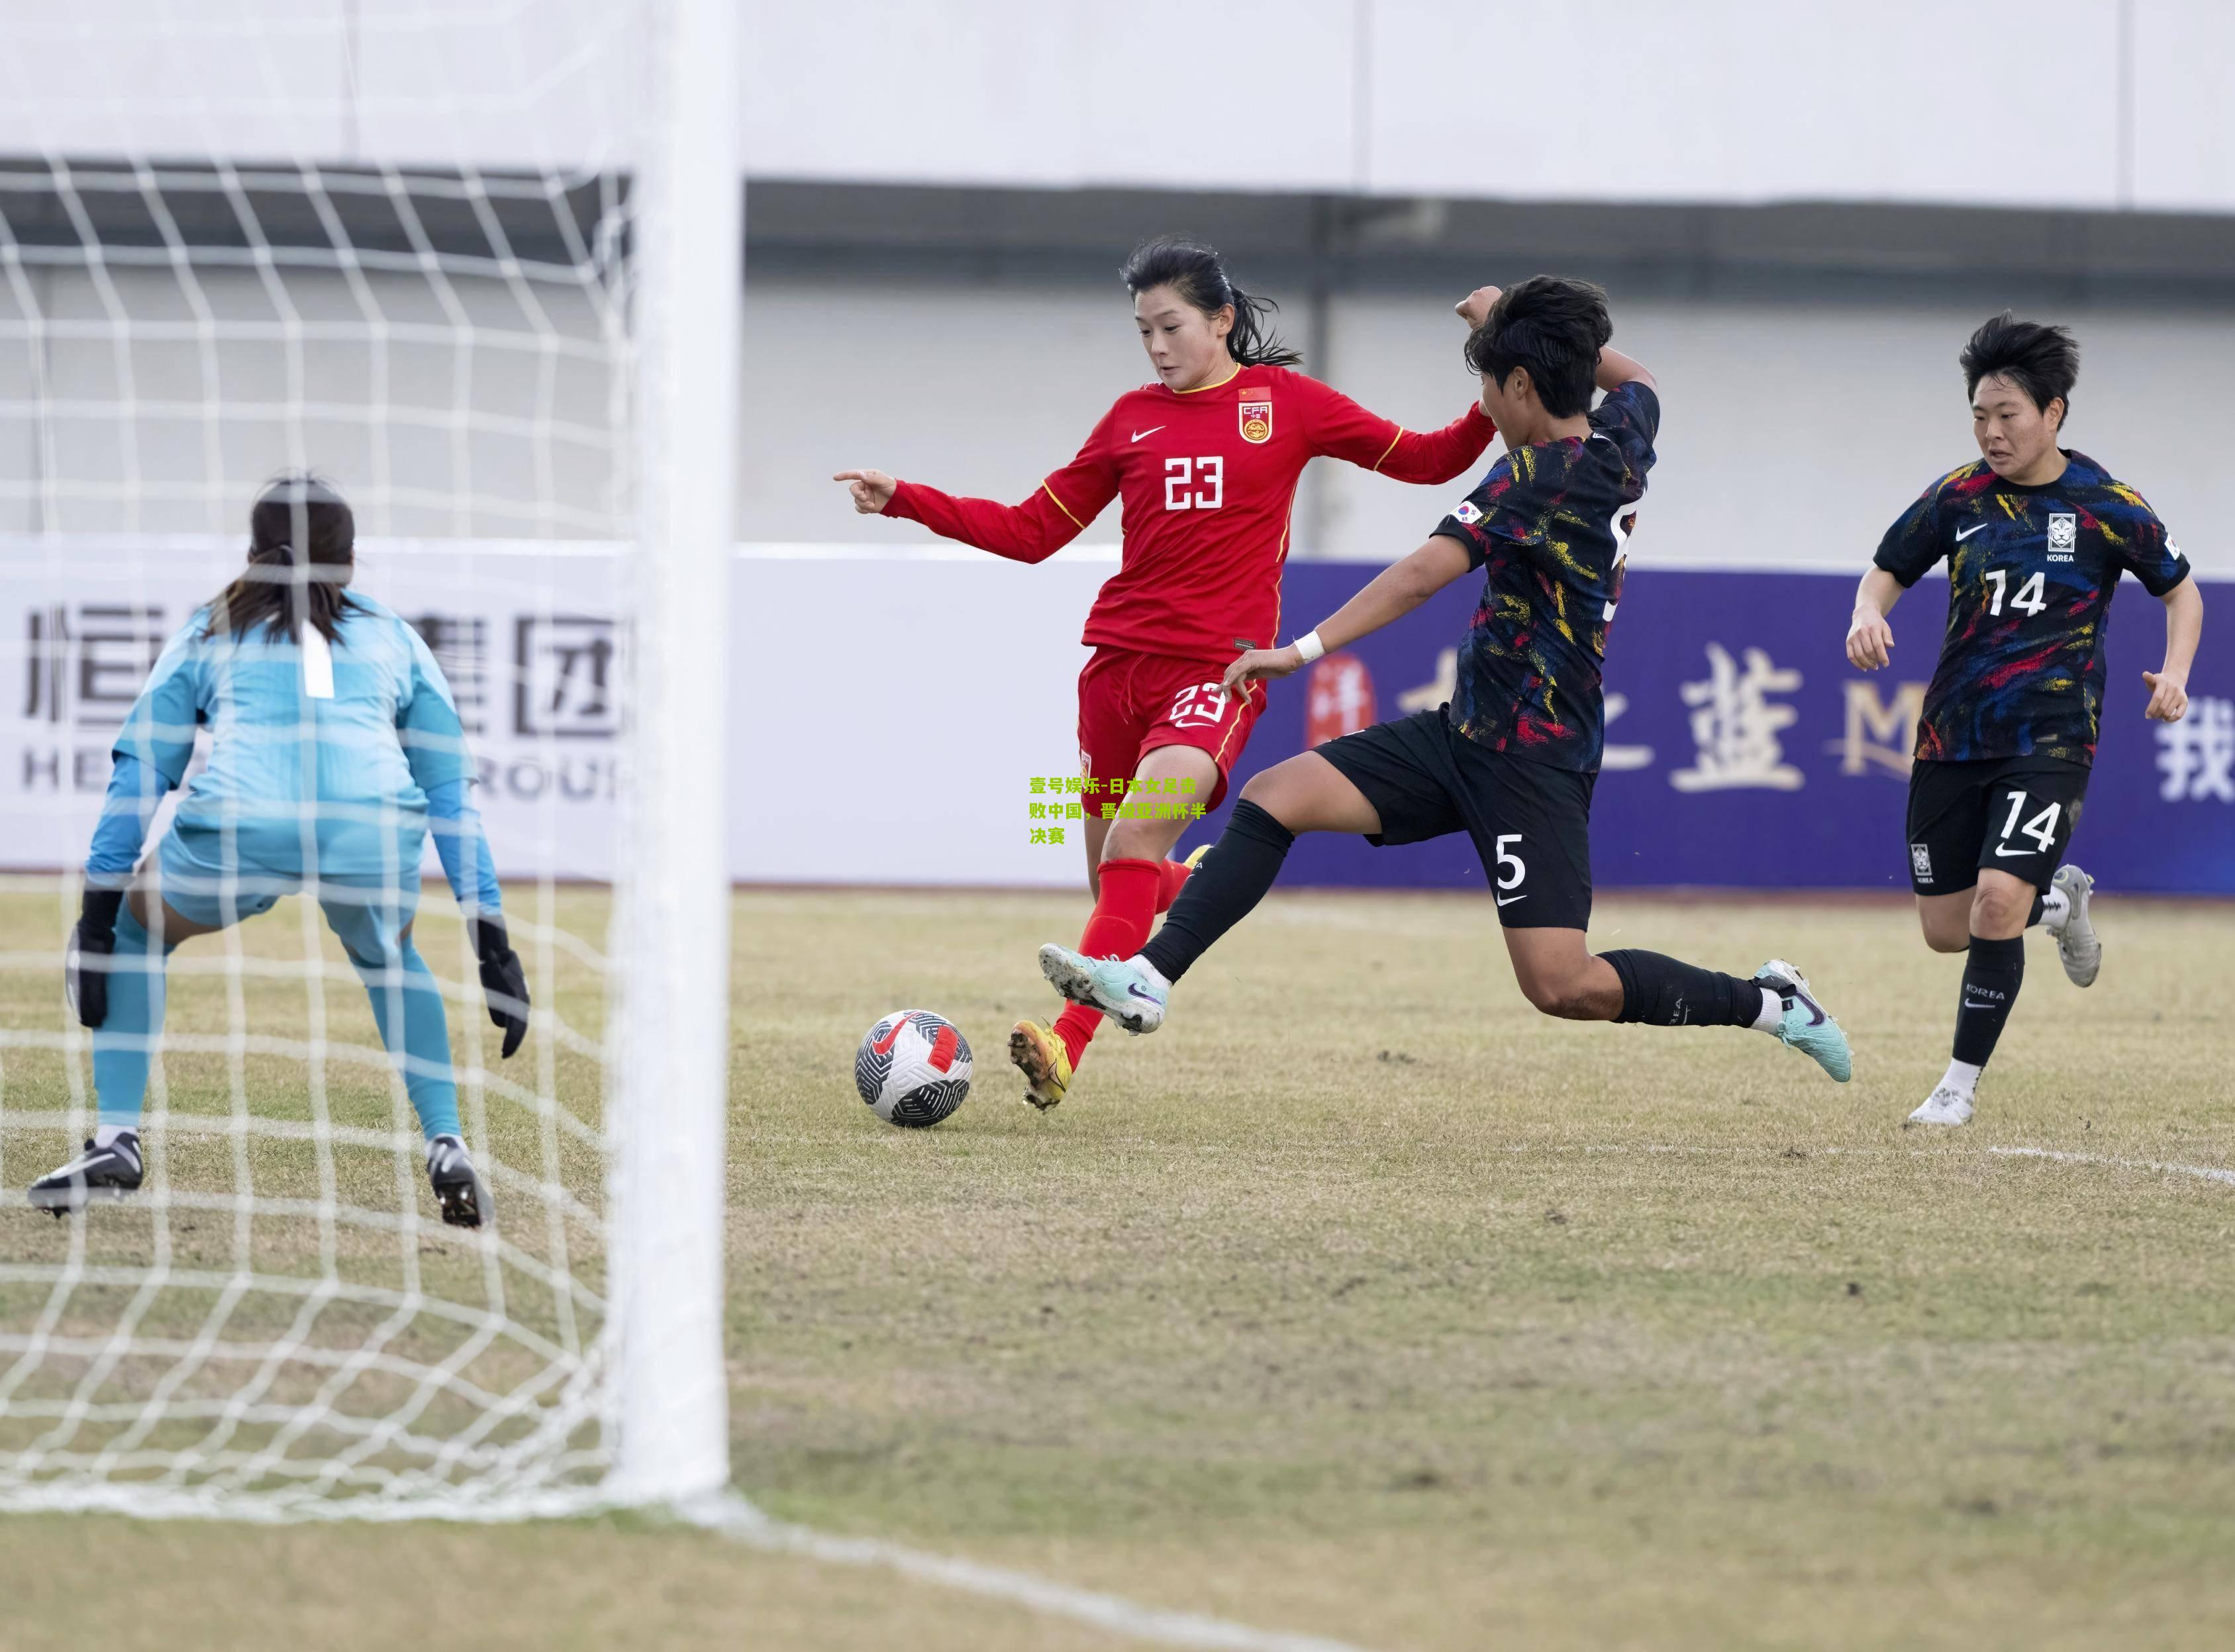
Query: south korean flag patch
1469	512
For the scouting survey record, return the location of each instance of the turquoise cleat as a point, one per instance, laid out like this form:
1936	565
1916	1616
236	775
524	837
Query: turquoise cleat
1128	991
1807	1027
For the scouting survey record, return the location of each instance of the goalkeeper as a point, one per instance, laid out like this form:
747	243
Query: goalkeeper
334	746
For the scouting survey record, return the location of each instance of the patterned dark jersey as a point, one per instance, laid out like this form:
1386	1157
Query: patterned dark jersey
1550	525
2031	571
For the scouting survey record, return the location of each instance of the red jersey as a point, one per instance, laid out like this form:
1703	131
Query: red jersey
1207	477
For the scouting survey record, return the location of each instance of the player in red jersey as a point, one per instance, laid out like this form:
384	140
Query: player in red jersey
1206	461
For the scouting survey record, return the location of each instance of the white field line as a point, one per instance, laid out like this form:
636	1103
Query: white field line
2207	1173
732	1516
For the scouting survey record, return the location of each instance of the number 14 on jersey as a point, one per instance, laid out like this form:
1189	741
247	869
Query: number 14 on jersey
2029	598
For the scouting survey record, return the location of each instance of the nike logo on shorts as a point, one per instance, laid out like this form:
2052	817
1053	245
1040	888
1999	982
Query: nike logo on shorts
1152	430
1508	900
1961	533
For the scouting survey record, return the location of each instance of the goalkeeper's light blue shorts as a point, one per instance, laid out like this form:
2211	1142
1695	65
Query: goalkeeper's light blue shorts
207	881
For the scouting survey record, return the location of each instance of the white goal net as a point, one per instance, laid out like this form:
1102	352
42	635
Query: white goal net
476	265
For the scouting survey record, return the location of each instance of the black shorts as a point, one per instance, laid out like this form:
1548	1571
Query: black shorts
1530	822
2012	815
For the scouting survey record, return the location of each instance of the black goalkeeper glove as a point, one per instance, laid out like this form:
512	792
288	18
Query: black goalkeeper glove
502	979
85	967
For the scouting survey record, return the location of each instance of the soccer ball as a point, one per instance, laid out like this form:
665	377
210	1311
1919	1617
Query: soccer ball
913	1068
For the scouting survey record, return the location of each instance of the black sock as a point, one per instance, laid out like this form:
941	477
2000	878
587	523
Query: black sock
1667	992
1232	879
1992	974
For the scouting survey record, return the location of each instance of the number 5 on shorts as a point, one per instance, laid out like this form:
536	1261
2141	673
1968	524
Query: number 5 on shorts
2042	829
1506	858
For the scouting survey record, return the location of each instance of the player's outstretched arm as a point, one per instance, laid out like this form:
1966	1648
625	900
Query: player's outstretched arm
2168	684
1395	592
1057	513
1870	639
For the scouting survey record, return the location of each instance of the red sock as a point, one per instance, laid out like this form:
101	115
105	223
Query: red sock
1119	929
1175	873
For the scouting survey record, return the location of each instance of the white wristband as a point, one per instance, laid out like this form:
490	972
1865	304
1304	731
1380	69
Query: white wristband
1310	647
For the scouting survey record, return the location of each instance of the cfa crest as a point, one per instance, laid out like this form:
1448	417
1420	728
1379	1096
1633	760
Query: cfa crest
2063	531
1256	415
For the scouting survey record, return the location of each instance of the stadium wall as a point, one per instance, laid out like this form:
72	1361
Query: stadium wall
2120	100
1799	421
898	716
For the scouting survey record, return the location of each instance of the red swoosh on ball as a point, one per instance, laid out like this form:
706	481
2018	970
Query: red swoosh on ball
942	1047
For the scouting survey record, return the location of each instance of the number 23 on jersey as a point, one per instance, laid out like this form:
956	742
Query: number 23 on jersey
1195	484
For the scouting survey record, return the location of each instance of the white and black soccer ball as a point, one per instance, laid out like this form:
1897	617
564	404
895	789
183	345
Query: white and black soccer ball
913	1068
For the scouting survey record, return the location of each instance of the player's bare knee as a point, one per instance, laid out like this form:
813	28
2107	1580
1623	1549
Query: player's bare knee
1996	910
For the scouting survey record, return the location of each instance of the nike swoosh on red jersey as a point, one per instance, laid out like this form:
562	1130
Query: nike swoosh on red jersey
1152	430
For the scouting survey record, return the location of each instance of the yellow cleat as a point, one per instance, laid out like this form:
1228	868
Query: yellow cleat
1039	1055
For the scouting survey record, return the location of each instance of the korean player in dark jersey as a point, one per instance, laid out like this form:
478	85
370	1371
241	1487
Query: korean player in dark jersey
2035	537
1511	760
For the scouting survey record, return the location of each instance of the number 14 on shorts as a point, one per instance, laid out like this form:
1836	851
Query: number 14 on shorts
2042	827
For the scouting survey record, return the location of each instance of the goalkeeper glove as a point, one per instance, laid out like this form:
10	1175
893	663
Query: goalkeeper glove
85	967
502	980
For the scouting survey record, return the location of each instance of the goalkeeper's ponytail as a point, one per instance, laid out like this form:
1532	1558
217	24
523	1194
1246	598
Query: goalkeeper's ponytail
302	550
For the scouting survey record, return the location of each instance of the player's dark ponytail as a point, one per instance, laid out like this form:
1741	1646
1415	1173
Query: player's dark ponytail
300	522
1199	275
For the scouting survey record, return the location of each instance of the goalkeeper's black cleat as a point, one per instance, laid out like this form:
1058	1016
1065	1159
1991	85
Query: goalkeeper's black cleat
99	1175
458	1187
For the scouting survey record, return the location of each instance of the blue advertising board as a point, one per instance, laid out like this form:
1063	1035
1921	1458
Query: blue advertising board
1743	751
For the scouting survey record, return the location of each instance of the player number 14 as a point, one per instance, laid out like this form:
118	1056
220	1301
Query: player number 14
2027	600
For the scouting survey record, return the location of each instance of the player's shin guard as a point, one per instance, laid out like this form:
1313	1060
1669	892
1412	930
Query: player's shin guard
1233	878
1121	922
1662	991
1172	878
1992	973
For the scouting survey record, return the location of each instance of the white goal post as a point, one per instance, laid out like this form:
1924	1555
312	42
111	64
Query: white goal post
674	919
481	266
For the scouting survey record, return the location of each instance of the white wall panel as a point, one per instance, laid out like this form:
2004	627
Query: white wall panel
246	79
2184	132
1929	100
1636	100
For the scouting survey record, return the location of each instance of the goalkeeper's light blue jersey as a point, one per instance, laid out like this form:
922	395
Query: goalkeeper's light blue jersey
352	737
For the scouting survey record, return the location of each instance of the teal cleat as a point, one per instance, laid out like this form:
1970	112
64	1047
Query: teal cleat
1128	991
1807	1027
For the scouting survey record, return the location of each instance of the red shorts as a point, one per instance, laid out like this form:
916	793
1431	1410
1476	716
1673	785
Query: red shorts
1131	703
